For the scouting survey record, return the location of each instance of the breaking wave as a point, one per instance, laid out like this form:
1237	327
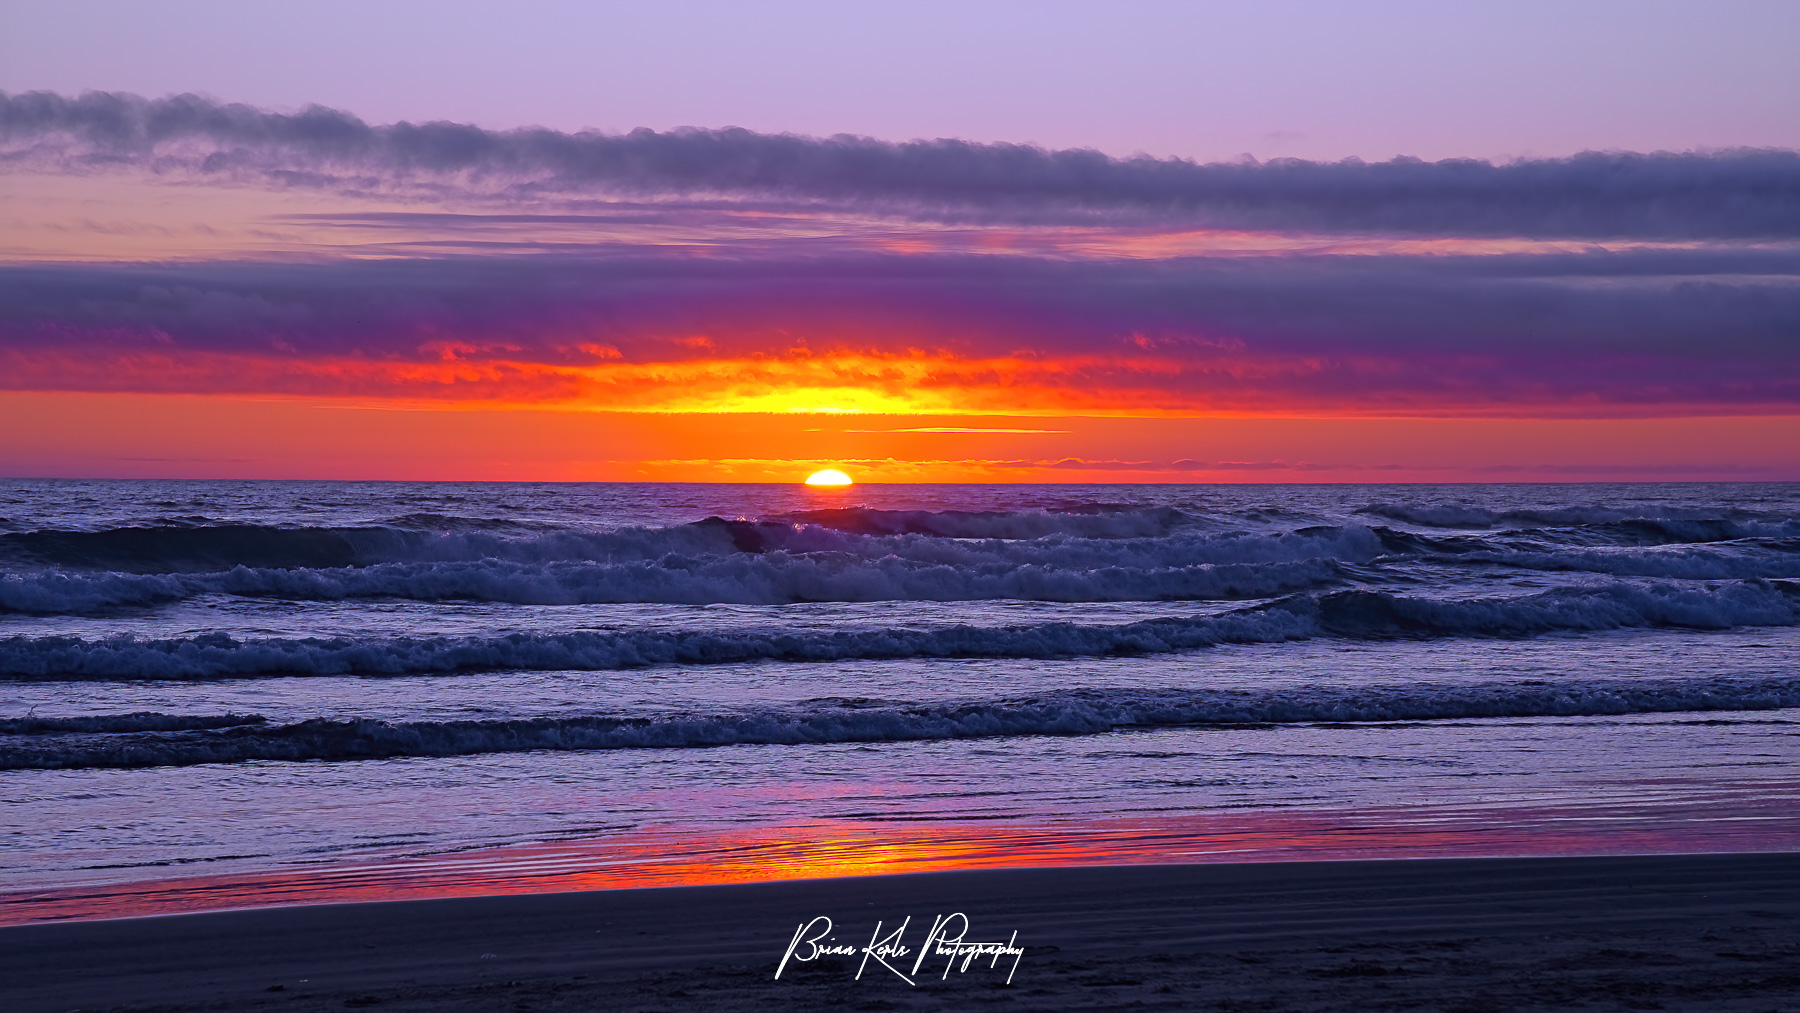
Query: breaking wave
771	579
1090	553
712	561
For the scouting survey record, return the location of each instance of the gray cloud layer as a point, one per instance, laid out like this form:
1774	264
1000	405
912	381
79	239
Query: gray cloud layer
1743	194
1704	304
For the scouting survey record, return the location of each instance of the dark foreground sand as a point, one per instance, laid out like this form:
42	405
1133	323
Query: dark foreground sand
1710	932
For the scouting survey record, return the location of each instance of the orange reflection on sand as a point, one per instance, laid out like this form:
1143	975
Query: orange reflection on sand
669	856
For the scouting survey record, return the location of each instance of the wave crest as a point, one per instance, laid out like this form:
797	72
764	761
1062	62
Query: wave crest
1349	614
227	738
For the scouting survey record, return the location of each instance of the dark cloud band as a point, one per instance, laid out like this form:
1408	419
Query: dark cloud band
1684	330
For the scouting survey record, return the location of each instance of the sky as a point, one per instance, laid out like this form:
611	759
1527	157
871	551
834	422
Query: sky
1046	242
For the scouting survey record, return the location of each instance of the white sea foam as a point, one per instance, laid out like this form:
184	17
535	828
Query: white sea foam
1096	553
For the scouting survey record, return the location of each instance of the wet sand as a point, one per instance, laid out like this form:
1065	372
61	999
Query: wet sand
1700	932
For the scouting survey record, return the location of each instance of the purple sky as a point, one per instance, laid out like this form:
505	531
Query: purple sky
1319	79
1006	278
390	205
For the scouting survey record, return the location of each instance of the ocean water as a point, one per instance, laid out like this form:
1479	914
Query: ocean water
219	694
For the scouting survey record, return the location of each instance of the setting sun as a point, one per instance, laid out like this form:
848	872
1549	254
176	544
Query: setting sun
830	476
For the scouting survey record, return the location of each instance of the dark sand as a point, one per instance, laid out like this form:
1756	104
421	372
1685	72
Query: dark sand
1706	932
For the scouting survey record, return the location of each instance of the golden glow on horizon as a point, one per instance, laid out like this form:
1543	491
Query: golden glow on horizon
128	435
907	382
829	477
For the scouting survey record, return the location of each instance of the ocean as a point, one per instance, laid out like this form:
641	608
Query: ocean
226	694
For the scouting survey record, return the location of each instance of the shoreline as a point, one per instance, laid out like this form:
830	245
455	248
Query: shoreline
1744	817
1707	931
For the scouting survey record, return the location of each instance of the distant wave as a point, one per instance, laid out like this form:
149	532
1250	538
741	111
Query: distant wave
186	740
1684	562
191	548
1091	520
1661	523
1350	614
1374	614
187	547
139	721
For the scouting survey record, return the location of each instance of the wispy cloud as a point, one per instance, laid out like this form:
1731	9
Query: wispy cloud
1732	194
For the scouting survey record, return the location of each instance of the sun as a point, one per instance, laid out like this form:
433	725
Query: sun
830	476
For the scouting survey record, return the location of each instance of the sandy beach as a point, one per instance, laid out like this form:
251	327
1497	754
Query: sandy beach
1704	932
